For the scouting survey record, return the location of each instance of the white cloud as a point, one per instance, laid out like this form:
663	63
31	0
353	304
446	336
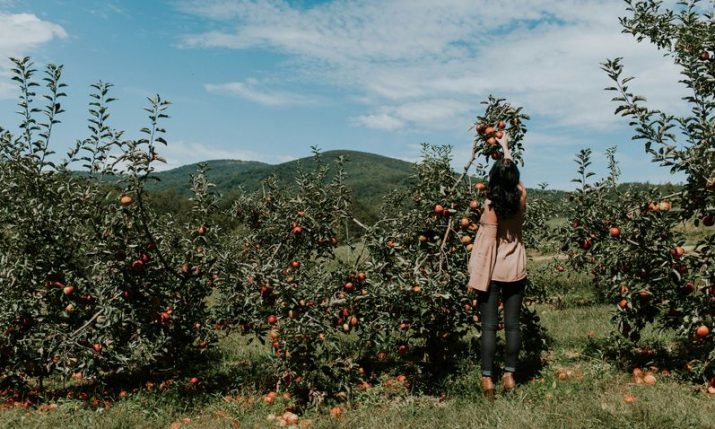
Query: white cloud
20	34
251	91
402	55
23	31
380	121
435	114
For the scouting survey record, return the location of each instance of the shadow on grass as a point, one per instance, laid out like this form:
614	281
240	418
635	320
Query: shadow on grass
239	366
221	371
678	356
459	376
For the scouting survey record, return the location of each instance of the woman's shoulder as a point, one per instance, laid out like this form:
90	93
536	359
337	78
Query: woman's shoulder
489	216
522	200
487	206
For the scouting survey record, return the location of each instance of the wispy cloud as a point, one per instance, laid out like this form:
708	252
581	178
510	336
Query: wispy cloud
178	153
403	55
108	9
431	113
380	121
251	90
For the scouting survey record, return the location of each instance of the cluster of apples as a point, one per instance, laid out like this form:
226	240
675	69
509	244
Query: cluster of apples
489	134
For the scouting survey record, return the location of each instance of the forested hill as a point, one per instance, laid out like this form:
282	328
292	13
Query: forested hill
367	174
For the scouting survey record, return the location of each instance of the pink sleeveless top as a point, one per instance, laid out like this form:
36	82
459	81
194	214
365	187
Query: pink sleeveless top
498	253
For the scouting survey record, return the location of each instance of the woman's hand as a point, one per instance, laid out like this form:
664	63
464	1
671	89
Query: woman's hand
504	140
504	143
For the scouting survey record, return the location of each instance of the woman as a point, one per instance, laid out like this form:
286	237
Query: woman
497	266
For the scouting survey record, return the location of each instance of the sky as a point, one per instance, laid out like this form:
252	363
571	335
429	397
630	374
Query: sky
265	80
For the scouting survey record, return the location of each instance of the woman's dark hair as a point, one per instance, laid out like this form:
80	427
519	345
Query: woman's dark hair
503	188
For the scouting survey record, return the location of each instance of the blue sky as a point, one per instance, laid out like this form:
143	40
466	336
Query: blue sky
265	80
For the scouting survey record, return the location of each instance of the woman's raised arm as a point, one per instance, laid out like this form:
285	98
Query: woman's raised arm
504	143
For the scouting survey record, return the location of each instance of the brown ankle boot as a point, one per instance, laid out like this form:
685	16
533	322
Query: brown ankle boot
507	382
488	387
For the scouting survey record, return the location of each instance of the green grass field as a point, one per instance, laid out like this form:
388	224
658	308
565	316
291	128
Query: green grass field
592	394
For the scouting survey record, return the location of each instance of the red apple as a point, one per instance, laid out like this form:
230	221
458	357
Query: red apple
138	266
702	331
126	200
586	244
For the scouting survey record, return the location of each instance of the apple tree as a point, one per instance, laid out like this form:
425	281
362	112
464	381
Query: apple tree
95	283
683	142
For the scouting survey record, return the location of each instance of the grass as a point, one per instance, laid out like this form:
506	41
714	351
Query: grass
591	395
692	234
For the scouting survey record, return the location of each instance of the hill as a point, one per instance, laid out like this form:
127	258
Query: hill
224	173
369	176
367	173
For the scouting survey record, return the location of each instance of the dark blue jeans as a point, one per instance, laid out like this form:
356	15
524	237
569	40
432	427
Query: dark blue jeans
511	295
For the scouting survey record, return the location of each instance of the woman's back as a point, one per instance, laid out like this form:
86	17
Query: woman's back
510	262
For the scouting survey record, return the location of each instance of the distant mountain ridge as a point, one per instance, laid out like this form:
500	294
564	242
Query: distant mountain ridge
367	174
